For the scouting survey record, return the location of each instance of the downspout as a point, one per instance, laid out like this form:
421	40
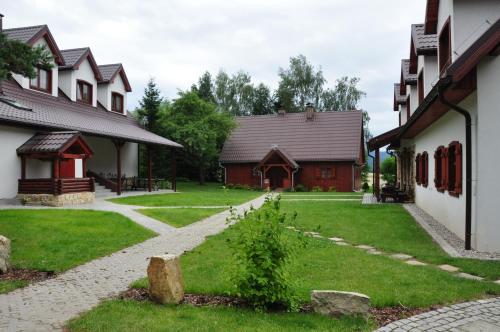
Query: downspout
257	168
220	165
352	173
468	162
373	172
293	177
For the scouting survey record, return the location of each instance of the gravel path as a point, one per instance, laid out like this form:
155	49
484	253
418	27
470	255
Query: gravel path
47	305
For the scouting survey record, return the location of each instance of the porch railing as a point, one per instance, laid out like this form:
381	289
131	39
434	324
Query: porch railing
55	186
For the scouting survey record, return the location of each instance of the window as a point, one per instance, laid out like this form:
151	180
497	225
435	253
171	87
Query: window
444	50
42	81
84	92
424	169
326	173
417	168
420	85
116	102
400	118
408	109
440	168
454	168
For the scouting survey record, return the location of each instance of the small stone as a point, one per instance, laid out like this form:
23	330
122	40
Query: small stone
317	235
290	227
374	252
336	239
336	303
469	276
415	262
365	247
448	268
165	279
340	243
402	257
497	282
4	254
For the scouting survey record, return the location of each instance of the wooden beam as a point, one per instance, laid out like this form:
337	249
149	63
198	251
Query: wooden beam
23	167
150	169
118	146
377	173
56	166
174	170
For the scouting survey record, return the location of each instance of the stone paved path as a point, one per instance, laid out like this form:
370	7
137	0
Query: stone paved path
476	316
47	305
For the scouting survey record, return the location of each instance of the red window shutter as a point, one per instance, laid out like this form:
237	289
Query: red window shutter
437	163
425	169
458	168
444	169
418	170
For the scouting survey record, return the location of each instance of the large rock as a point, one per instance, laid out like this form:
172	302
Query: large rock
165	279
335	303
4	254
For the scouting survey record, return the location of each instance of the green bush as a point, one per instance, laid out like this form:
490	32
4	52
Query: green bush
262	251
332	189
317	189
365	187
300	188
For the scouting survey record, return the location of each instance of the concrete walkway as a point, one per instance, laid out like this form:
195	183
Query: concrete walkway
47	305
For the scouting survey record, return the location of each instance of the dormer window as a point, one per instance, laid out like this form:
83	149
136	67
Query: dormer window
42	81
445	46
117	102
84	92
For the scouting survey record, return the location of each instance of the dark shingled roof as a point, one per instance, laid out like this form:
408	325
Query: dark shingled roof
108	73
25	107
24	34
405	70
331	136
72	57
424	44
47	142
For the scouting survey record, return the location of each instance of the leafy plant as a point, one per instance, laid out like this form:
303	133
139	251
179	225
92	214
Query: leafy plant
262	251
332	189
300	188
365	187
316	189
388	170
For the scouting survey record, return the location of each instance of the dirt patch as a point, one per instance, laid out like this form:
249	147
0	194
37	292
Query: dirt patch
27	275
384	316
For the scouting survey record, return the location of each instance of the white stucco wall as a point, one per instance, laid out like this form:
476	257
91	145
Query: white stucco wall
66	83
402	111
25	82
488	220
431	73
10	164
104	92
448	210
412	91
68	79
104	160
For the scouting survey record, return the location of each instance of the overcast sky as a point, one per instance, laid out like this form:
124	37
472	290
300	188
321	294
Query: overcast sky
176	41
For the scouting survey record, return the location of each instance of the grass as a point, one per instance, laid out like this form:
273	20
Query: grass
180	217
388	227
57	240
9	285
192	194
120	315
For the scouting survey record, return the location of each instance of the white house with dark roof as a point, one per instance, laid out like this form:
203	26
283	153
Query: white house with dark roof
448	103
78	96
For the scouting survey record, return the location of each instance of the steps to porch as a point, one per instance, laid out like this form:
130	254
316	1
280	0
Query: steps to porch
101	191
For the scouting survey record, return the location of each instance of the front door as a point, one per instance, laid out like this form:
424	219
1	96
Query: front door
276	176
67	168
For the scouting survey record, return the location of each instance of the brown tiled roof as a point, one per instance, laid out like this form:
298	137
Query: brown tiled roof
405	70
108	73
72	57
399	99
47	142
24	34
25	107
330	136
424	44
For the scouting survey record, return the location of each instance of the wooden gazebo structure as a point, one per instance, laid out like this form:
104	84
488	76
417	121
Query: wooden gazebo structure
277	169
67	152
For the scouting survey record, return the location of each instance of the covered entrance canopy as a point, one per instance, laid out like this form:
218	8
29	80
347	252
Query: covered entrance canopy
67	152
277	168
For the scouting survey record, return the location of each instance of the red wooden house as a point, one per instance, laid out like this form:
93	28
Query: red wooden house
283	150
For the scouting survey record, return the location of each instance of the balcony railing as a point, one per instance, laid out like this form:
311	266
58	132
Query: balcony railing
55	186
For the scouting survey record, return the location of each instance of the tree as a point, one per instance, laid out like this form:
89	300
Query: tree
299	84
20	58
199	127
262	102
345	96
205	87
233	94
148	113
388	170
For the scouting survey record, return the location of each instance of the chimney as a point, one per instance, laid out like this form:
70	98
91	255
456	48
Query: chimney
281	109
310	111
1	22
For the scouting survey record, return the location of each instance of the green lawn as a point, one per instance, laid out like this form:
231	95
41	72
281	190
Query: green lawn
388	227
180	217
57	240
119	315
192	194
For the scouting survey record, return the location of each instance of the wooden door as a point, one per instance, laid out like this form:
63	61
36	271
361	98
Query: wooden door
67	168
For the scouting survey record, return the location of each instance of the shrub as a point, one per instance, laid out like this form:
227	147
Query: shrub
229	186
300	188
332	189
365	187
262	252
317	189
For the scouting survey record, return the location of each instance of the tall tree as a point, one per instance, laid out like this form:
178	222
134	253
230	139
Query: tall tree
205	87
150	103
199	127
300	84
262	102
233	94
345	96
19	58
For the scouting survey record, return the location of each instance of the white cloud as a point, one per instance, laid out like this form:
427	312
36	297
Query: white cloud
176	41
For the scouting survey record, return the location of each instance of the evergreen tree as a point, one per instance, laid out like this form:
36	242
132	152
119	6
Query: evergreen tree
150	106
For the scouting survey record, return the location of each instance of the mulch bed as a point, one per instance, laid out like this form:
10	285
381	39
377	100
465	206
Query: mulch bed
27	275
382	316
